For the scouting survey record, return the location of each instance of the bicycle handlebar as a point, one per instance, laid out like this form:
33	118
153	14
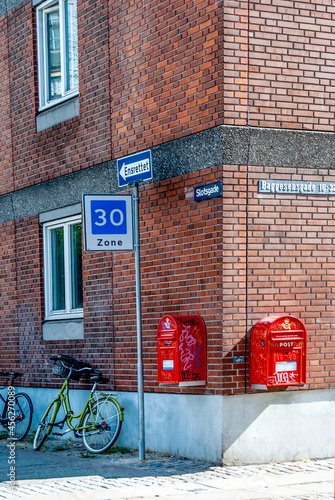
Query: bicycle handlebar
68	362
75	369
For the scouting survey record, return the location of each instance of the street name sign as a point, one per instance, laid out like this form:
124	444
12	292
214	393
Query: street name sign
134	168
295	187
108	222
208	191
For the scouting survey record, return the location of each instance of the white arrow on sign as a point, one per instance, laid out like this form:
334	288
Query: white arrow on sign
133	169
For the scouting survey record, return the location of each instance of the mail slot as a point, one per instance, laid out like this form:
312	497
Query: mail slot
181	351
277	352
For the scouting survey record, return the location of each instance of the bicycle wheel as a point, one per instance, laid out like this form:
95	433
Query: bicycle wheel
45	426
19	416
102	425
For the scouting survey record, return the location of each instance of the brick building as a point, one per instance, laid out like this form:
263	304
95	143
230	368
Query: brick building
233	91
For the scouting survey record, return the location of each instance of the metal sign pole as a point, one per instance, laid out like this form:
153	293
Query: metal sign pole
141	448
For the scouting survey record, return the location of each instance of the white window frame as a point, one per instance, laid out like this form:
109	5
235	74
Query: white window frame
42	44
68	312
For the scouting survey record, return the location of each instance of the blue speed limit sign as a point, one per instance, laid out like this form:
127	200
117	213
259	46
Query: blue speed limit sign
108	222
109	216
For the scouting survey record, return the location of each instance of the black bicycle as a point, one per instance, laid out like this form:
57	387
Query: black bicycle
17	412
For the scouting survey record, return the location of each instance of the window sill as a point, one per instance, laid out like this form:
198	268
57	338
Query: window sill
59	113
37	2
66	329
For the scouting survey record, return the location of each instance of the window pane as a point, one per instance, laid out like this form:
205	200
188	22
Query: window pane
71	44
76	267
58	273
54	61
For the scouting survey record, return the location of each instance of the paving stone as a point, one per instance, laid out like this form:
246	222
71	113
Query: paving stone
167	477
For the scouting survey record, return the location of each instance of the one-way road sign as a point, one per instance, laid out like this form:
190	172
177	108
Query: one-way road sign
134	168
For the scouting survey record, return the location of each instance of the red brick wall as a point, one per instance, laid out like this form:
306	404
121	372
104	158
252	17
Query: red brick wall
161	80
5	130
193	260
21	297
75	144
234	275
164	76
181	254
235	57
291	263
166	70
137	86
278	58
9	333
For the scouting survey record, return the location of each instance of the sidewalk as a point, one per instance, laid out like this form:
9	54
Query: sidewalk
69	472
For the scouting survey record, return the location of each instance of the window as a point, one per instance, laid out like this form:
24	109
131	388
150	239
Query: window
57	51
63	269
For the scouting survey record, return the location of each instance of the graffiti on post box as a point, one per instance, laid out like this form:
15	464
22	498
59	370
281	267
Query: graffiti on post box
187	345
196	330
277	352
190	375
190	347
181	353
198	356
258	355
283	378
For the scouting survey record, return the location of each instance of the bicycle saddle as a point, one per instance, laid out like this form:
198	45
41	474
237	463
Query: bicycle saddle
96	376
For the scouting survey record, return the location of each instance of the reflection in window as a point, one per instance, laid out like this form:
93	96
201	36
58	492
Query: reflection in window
76	270
57	37
63	280
54	66
58	271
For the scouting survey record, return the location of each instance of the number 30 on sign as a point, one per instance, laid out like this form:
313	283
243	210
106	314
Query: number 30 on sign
108	222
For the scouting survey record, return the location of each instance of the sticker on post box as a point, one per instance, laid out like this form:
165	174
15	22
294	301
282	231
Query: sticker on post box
167	364
286	366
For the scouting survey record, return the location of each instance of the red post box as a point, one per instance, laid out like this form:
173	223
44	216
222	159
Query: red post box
277	352
181	351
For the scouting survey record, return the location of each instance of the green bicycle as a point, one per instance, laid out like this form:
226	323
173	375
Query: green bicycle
99	423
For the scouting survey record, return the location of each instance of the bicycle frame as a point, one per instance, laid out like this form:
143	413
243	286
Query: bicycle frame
15	411
3	419
63	399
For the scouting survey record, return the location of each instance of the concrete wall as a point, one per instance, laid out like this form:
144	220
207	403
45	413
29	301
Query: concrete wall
278	426
187	426
184	425
241	429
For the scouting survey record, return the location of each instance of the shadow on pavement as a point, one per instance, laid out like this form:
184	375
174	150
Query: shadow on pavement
58	458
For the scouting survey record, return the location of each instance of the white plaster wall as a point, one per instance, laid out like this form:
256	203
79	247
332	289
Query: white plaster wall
278	426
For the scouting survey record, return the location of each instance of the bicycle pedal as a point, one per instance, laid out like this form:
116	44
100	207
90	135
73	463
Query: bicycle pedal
57	433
